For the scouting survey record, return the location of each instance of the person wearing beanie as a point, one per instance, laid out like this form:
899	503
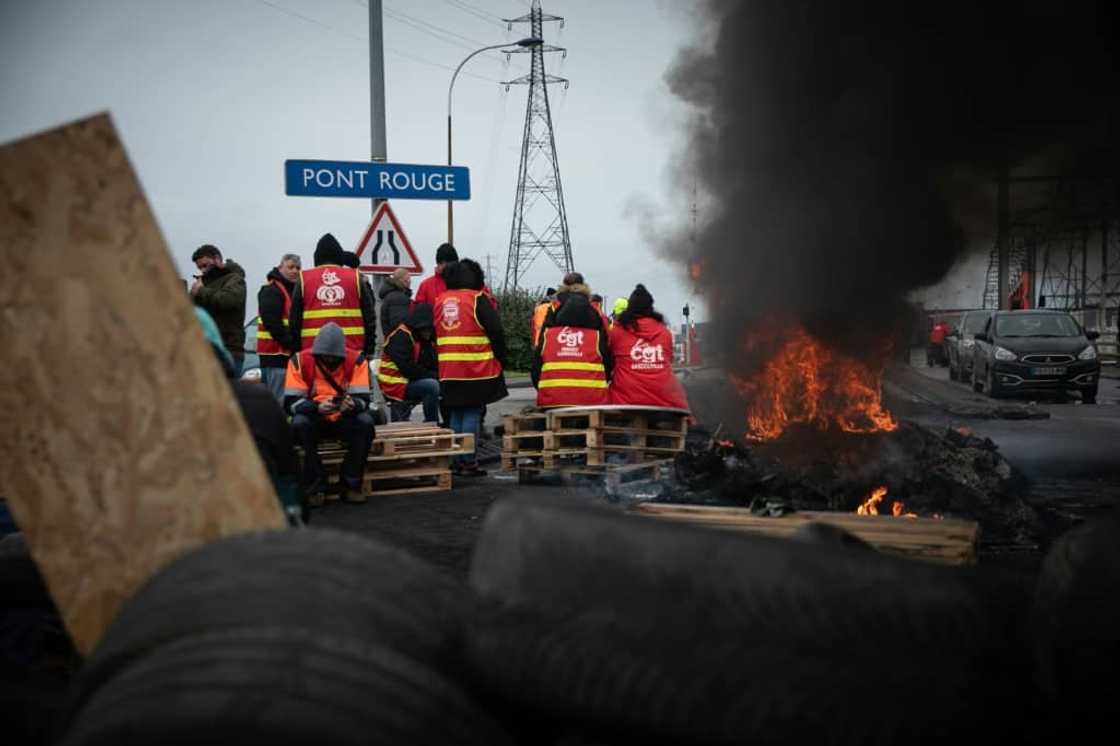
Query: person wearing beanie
327	393
642	348
332	292
396	299
408	372
432	286
472	351
540	312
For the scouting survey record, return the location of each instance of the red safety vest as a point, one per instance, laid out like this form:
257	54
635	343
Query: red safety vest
598	306
266	345
643	366
304	378
464	349
389	376
331	293
572	373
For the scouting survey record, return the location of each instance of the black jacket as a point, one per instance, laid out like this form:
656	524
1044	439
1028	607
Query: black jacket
394	306
270	306
576	312
269	428
400	350
369	315
223	297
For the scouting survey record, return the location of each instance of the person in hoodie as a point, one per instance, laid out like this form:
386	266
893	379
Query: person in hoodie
572	364
333	292
573	285
396	299
219	289
431	287
642	348
274	342
409	366
472	349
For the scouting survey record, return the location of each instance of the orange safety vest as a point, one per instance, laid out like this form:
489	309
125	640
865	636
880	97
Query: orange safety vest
305	379
389	376
331	293
572	373
266	345
539	314
464	349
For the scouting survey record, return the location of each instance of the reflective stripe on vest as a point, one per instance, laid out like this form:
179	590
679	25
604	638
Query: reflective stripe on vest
266	345
389	376
464	349
331	293
572	373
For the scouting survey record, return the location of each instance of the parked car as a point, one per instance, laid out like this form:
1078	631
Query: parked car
961	342
1036	350
251	367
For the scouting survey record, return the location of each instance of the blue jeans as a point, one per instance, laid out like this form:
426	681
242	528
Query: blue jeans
466	420
425	391
273	379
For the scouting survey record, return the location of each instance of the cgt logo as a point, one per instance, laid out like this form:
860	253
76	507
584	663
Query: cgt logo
330	295
331	278
646	355
569	338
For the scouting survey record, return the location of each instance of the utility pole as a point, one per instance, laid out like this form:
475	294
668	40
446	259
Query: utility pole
378	148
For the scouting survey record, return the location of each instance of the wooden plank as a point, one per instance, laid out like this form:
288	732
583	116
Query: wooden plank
123	446
951	541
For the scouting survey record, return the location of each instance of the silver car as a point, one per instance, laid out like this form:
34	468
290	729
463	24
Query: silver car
961	343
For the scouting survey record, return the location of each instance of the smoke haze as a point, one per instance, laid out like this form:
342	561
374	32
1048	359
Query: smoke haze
847	149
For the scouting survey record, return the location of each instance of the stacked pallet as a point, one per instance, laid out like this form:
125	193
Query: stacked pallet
405	457
619	445
944	541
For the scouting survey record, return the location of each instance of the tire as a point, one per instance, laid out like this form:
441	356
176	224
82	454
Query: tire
1076	615
1089	396
279	687
698	635
336	583
976	385
953	375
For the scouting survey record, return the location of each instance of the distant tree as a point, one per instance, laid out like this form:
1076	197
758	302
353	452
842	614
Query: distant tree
516	308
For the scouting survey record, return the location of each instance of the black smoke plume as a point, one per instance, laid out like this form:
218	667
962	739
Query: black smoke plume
849	150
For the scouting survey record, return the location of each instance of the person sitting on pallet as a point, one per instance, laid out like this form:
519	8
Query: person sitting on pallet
572	364
327	393
642	348
408	369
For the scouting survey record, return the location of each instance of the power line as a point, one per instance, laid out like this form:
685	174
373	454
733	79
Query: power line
449	37
477	12
365	40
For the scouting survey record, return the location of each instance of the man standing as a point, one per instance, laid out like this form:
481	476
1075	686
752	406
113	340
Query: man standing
536	324
327	393
431	287
219	289
408	369
274	341
333	293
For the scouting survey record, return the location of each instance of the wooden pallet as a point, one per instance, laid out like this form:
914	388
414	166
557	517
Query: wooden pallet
517	424
403	481
944	541
620	419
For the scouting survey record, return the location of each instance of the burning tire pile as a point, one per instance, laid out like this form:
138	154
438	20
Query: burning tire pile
924	472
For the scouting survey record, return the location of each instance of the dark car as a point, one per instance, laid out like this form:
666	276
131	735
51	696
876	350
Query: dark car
1035	351
959	345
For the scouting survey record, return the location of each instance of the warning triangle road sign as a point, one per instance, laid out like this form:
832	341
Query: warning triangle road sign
384	247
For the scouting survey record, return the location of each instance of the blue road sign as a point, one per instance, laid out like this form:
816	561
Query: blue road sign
375	180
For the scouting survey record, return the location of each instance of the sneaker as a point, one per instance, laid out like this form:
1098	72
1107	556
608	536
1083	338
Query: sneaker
352	495
469	470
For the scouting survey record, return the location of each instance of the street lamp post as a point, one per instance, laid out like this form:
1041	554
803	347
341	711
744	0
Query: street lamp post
527	42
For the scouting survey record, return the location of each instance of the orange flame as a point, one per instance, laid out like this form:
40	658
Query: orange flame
871	505
696	269
897	510
808	383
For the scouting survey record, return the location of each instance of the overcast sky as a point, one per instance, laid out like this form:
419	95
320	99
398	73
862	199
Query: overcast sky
211	96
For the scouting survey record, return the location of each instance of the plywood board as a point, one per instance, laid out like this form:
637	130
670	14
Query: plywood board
121	443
